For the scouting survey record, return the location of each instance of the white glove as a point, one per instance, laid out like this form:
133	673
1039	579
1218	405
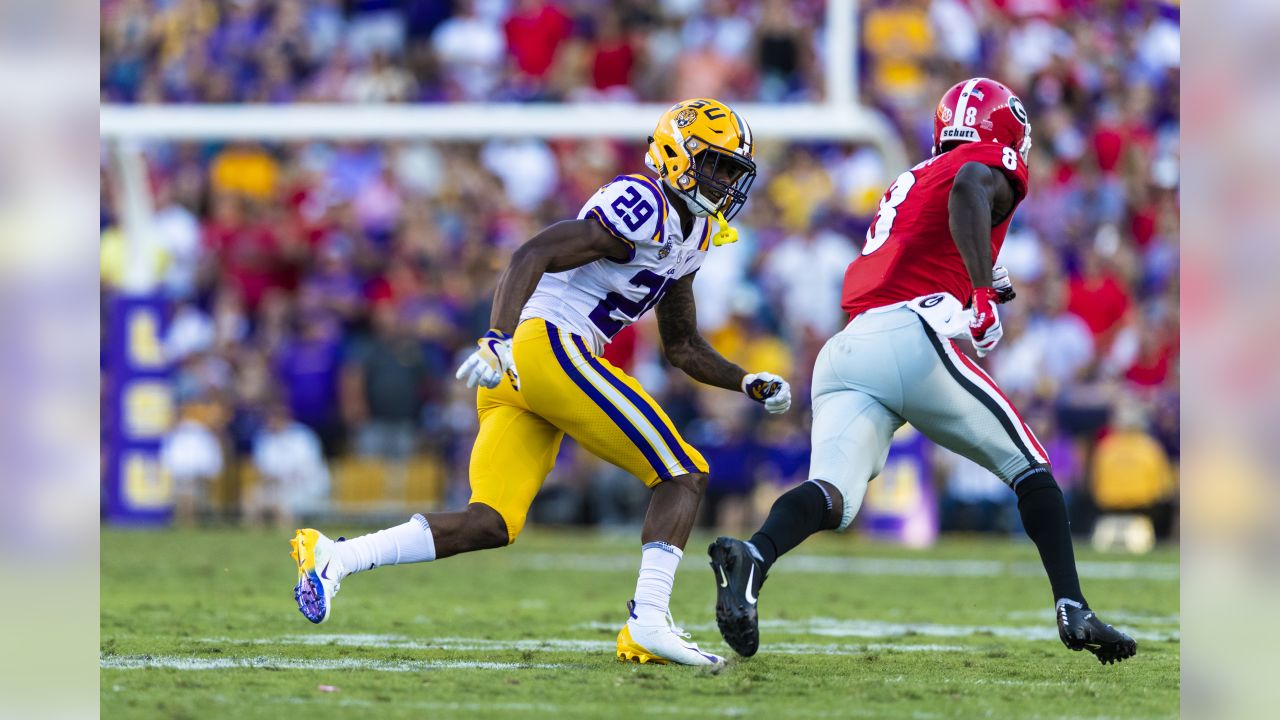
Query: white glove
1001	283
769	389
490	362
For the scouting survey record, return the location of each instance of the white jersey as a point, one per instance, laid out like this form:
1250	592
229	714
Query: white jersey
600	298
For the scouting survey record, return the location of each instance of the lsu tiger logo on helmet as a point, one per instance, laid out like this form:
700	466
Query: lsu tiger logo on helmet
702	150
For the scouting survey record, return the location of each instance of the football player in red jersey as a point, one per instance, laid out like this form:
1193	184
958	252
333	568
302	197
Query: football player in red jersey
925	276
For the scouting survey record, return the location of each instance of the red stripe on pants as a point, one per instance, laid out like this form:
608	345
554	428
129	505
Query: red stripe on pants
992	383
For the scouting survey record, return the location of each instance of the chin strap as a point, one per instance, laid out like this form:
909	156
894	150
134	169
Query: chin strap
725	234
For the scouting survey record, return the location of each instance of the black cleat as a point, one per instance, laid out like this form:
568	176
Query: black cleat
738	581
1080	629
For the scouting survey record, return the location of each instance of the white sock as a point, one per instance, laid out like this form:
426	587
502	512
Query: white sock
658	563
410	542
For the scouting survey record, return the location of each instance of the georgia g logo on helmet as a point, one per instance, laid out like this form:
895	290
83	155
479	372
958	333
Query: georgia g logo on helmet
702	149
1019	111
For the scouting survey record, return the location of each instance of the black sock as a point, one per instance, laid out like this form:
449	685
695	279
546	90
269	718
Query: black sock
799	513
1044	515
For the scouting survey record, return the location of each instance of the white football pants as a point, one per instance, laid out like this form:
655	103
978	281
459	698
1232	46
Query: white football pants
889	367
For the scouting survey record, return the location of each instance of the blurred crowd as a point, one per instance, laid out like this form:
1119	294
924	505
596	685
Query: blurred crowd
285	51
322	293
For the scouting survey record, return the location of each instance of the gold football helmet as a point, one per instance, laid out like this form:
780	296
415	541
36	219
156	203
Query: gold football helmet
702	149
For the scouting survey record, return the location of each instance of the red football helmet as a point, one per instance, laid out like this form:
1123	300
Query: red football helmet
981	110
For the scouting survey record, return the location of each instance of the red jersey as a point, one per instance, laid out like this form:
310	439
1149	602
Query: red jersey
909	250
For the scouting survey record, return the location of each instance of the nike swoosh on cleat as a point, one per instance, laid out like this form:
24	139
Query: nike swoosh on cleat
751	576
724	581
325	572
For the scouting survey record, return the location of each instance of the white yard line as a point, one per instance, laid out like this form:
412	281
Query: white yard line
989	681
472	707
829	627
900	567
187	662
1112	616
401	642
817	626
820	627
786	648
489	709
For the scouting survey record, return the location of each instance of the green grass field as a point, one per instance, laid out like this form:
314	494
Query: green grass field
203	625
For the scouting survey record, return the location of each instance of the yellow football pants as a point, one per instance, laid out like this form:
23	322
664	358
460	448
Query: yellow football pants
565	388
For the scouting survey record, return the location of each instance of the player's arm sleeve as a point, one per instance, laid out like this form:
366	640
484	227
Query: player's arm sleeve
631	209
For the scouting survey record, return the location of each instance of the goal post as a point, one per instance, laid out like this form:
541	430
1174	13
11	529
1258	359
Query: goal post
479	122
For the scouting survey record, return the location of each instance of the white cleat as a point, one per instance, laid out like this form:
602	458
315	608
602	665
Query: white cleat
319	574
662	644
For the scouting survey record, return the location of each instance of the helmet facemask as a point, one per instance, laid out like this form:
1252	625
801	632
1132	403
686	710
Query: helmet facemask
1020	114
722	179
1024	148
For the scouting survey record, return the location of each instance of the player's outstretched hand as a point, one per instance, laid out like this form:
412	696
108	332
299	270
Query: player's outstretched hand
769	389
1001	283
984	327
487	364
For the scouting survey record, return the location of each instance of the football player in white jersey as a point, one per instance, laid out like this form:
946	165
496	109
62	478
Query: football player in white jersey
635	245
